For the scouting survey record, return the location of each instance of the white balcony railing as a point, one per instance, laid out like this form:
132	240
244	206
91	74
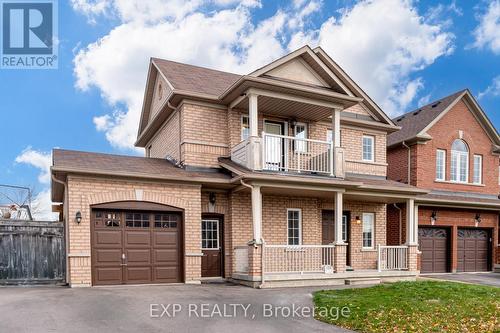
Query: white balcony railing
286	153
392	258
298	258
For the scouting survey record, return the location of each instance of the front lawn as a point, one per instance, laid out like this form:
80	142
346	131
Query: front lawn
423	306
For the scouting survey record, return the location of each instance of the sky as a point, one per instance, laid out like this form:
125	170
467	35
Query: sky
403	53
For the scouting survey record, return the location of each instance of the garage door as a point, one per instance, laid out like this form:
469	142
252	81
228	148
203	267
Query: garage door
473	254
434	247
135	247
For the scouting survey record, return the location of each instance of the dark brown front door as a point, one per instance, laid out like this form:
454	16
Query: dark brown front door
133	247
328	230
434	247
211	244
473	250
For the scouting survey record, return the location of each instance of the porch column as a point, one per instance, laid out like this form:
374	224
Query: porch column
257	214
253	114
336	127
411	222
339	208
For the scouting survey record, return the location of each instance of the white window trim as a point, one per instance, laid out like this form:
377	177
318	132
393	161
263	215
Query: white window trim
372	151
300	224
218	235
373	232
457	167
241	126
306	130
443	168
480	169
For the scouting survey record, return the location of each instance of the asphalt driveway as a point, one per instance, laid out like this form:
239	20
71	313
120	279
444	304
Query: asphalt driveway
487	279
179	308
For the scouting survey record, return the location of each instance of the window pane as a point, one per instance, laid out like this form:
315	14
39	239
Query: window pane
368	148
245	128
440	165
293	225
300	133
368	224
453	171
463	168
210	234
478	161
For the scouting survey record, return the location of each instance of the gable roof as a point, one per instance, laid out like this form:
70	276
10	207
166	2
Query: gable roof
416	123
214	86
194	78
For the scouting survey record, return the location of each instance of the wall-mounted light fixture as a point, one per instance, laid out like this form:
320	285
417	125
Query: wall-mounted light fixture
78	217
434	217
358	220
212	197
477	218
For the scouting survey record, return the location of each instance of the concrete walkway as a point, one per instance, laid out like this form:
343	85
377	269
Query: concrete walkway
128	309
487	279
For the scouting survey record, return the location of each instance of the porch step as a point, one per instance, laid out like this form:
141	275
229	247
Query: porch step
497	268
362	281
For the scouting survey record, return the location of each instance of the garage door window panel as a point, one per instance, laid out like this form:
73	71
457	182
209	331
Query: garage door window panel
137	220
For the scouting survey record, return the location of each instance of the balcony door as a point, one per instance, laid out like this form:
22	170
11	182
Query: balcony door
274	146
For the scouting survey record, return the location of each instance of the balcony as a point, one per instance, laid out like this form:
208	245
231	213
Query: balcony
281	153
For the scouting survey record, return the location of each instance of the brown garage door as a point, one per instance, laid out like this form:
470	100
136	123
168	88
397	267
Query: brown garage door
434	247
473	250
135	247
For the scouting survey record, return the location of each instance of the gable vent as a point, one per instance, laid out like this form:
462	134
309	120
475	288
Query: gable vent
435	104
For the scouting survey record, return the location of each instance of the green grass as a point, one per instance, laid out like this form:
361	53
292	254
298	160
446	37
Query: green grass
424	306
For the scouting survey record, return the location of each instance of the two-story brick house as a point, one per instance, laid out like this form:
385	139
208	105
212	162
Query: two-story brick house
451	148
277	177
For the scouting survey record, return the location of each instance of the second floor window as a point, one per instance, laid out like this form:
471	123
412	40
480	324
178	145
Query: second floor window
440	164
245	128
300	133
478	169
459	169
368	148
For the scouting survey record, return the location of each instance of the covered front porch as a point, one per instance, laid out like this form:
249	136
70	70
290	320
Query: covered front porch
319	235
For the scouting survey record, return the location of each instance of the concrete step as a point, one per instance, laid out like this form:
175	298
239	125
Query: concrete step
362	281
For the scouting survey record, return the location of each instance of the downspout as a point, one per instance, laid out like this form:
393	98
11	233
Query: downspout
400	223
409	161
66	227
255	245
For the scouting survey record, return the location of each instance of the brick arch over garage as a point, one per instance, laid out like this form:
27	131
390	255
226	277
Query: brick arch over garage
84	192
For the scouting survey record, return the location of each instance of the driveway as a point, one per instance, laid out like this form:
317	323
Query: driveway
129	309
487	279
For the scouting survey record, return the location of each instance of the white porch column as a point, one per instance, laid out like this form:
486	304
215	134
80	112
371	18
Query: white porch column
336	127
257	213
253	114
411	223
339	209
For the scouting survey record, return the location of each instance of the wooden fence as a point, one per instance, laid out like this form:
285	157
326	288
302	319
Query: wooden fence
31	252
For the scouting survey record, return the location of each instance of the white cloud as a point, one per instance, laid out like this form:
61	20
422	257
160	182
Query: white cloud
380	43
38	159
41	206
493	89
487	33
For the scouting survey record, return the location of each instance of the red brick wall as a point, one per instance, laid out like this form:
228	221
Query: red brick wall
397	158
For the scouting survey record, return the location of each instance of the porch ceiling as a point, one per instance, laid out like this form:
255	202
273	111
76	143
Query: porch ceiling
292	109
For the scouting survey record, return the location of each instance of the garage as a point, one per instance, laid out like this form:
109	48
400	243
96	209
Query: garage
473	253
136	243
434	245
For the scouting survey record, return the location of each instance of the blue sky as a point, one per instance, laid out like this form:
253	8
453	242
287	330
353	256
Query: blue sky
403	53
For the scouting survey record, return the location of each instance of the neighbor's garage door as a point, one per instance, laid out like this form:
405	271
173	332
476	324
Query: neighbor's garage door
473	254
134	247
434	247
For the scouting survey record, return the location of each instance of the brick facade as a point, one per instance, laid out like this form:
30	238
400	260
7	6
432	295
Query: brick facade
86	191
457	123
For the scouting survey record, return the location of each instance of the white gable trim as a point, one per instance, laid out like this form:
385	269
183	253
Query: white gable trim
274	72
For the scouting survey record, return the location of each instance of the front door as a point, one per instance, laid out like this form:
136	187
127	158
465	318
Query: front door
211	246
328	230
274	146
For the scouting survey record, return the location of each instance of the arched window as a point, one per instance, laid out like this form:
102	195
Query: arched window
459	161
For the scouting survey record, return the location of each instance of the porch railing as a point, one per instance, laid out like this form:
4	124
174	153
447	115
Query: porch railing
286	153
298	258
392	258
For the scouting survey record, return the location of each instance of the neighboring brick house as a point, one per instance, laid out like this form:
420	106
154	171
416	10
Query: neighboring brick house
277	177
451	148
